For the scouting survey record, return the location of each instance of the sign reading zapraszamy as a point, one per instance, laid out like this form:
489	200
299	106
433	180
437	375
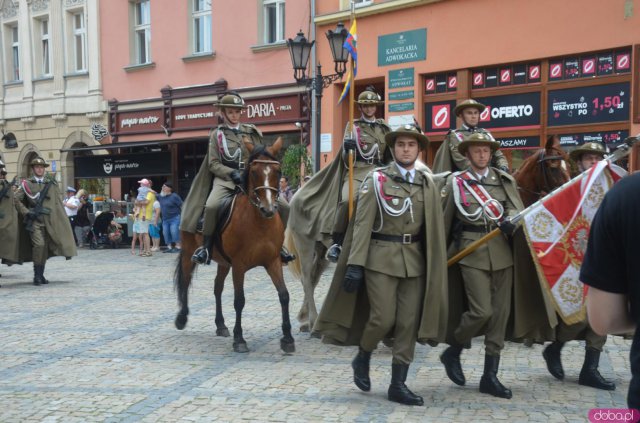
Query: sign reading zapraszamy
402	47
138	165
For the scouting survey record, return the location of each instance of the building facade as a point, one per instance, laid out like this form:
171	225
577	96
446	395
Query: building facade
51	96
163	69
543	68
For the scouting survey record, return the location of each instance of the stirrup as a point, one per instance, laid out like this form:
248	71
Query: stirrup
197	256
333	253
286	256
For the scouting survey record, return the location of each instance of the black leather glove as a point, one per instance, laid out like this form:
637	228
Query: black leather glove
349	144
237	177
31	215
507	227
353	278
504	169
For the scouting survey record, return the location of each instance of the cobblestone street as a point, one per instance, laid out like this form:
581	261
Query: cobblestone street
99	344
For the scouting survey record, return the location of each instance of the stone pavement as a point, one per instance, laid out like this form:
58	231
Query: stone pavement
98	344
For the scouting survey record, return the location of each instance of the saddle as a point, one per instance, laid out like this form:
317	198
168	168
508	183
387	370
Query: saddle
224	216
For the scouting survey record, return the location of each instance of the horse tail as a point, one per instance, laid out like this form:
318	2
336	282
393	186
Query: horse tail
181	281
294	267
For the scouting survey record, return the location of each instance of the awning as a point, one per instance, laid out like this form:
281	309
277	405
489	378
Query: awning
113	146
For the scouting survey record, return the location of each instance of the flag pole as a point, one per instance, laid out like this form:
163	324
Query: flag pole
352	88
621	152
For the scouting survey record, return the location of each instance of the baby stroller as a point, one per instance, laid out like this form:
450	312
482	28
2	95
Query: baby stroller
99	233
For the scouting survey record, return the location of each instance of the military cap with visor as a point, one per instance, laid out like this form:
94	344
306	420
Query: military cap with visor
478	138
38	161
589	147
409	131
231	100
467	104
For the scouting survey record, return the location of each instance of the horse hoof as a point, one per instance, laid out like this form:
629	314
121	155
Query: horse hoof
316	335
287	346
222	332
181	321
240	347
304	327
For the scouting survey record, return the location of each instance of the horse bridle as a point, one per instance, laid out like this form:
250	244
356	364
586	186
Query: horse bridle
543	168
254	199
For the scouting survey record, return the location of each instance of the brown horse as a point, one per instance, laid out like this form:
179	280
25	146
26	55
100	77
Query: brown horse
542	172
252	237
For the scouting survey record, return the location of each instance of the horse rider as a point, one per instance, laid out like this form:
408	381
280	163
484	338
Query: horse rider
448	157
584	157
9	228
397	216
476	200
39	201
227	159
367	142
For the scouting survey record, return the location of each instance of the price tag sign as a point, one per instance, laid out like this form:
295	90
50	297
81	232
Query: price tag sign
585	105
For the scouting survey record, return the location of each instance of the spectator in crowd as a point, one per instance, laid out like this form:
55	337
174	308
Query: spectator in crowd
145	214
82	222
71	204
154	227
137	237
611	268
285	191
114	233
170	206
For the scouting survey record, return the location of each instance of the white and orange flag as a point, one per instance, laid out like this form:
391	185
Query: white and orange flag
557	231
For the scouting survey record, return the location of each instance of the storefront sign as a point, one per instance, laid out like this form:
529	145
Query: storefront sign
594	104
401	107
194	116
138	165
402	47
139	121
511	111
401	78
401	95
439	116
519	142
266	110
610	138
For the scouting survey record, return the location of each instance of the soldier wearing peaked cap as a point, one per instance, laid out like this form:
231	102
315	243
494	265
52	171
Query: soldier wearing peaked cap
39	201
448	157
392	272
225	164
367	142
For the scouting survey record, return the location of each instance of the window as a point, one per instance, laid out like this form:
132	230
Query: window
142	32
14	60
45	40
201	26
79	40
273	21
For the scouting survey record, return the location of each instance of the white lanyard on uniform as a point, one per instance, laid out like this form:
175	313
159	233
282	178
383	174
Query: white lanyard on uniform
223	148
365	155
378	179
486	206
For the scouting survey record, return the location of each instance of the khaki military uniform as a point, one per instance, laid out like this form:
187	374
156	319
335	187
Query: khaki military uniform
9	225
221	165
52	234
487	273
449	159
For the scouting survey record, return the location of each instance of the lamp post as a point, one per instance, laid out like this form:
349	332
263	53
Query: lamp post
300	50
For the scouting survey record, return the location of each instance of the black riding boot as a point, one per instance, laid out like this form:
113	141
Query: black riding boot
360	365
451	360
551	355
333	253
201	255
489	383
590	376
286	256
38	275
398	391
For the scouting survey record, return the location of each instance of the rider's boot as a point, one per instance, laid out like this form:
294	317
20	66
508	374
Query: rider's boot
333	253
201	255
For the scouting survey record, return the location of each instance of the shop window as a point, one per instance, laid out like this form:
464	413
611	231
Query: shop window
201	26
42	53
12	52
445	82
273	21
77	41
141	32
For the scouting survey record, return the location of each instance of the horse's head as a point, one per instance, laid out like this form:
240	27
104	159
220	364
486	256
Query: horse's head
262	177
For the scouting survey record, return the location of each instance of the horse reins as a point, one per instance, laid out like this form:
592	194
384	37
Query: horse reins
543	168
254	199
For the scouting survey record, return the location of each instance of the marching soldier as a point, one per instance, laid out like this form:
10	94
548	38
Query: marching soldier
226	161
38	200
392	275
448	157
8	219
584	157
367	142
476	200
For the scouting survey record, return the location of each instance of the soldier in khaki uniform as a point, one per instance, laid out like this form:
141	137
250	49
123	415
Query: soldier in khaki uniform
584	158
477	199
448	157
39	201
367	143
8	220
397	216
227	159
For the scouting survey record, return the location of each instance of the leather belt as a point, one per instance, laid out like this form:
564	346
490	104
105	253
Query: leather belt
404	238
476	229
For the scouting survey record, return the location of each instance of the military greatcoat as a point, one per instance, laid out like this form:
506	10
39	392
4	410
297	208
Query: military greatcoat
9	225
449	159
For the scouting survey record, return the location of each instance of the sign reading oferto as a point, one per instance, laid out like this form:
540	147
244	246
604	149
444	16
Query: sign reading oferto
401	78
402	47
